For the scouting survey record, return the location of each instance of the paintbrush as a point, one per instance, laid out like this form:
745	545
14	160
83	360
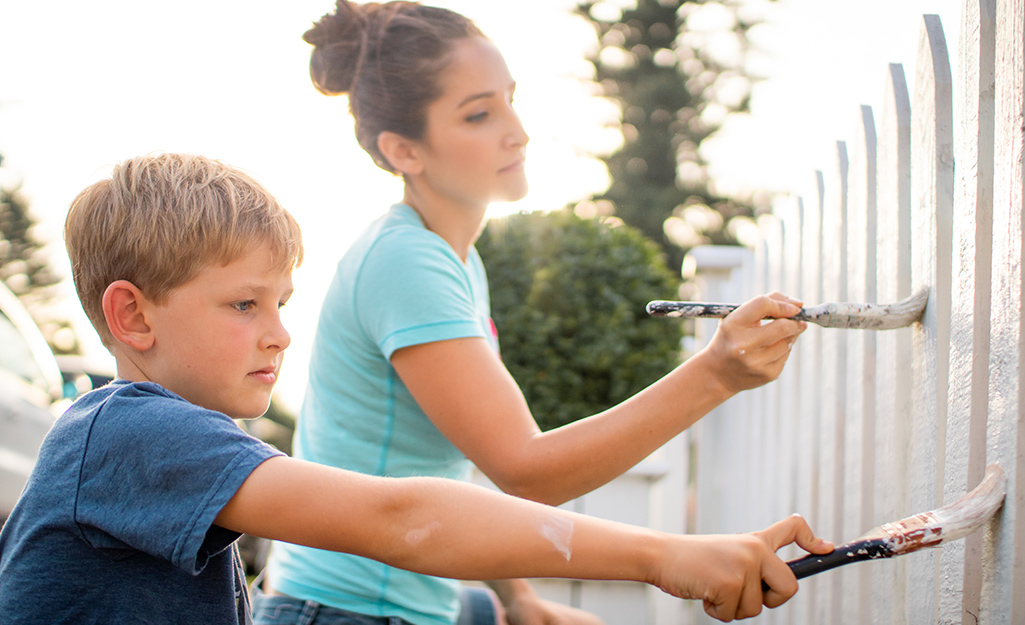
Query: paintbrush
831	315
928	529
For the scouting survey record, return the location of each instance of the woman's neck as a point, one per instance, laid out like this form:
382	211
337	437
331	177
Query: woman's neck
458	224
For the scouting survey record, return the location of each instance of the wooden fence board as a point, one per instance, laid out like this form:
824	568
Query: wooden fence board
932	167
1003	592
893	349
961	561
859	435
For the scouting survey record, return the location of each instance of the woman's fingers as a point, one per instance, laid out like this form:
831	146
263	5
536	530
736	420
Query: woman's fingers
750	352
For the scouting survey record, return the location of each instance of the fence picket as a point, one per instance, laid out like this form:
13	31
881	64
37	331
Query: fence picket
833	272
859	435
932	188
1003	592
893	349
961	561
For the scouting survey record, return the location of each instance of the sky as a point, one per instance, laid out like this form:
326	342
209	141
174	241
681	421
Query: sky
88	83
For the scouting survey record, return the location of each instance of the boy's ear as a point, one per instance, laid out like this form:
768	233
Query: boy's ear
124	309
400	152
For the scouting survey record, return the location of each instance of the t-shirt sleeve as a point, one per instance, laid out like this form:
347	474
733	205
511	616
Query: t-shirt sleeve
413	289
155	474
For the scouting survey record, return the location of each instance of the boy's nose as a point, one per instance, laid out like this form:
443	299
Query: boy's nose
276	337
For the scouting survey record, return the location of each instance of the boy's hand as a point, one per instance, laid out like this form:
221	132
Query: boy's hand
747	352
726	571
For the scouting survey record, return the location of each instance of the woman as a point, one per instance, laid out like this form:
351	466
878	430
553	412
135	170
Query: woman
405	376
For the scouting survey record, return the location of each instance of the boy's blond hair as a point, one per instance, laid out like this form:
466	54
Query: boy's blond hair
160	219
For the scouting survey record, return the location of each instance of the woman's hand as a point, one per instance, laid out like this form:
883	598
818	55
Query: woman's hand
726	572
747	352
542	612
522	606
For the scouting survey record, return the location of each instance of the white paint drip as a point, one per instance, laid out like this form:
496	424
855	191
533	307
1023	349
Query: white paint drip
559	531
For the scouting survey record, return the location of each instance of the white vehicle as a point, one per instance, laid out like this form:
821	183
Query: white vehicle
31	394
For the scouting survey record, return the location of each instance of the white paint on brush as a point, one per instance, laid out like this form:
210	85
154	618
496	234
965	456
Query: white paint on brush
868	316
951	522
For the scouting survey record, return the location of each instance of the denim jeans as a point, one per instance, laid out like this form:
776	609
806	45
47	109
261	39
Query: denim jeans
478	608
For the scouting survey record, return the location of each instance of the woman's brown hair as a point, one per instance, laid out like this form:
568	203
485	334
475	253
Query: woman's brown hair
386	57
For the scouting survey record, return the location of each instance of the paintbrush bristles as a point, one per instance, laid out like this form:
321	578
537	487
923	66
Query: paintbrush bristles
868	316
933	528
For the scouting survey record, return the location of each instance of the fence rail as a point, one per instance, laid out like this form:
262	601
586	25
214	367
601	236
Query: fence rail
866	427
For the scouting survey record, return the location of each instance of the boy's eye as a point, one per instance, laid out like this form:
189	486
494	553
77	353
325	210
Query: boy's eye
243	306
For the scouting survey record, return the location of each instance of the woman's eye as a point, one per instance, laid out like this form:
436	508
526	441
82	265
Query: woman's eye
243	306
478	117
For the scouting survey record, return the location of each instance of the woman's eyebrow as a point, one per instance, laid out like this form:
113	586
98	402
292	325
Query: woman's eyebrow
482	95
477	96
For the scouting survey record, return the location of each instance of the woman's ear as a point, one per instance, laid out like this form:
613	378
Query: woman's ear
400	152
124	308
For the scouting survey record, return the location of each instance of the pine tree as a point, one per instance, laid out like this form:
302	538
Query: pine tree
674	85
25	267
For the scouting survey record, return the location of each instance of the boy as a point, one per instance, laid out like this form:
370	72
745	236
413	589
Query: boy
143	486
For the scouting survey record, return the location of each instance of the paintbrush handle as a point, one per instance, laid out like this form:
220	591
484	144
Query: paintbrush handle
703	310
857	551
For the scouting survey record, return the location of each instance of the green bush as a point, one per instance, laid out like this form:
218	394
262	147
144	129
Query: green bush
568	297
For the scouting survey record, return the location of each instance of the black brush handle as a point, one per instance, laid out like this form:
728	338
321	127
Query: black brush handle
857	551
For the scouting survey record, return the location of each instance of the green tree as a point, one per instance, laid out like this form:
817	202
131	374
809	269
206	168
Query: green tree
25	268
676	69
568	297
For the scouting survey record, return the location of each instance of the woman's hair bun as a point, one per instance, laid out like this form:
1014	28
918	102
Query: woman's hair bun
339	40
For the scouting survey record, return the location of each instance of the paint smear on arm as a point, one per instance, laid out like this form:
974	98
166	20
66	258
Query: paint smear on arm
416	536
558	530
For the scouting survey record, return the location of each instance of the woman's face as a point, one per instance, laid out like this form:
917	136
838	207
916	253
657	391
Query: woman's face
474	148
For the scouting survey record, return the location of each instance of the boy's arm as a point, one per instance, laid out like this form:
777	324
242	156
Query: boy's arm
453	529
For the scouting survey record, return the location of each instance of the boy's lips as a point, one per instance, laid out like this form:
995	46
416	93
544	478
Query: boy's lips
267	375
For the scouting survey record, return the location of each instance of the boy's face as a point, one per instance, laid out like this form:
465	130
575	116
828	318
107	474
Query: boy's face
219	340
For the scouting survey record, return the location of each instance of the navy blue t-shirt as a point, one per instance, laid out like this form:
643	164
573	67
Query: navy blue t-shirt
115	524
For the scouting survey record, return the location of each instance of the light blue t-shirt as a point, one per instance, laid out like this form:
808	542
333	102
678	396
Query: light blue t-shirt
398	285
115	524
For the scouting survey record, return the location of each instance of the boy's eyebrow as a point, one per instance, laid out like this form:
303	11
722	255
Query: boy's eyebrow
252	287
482	95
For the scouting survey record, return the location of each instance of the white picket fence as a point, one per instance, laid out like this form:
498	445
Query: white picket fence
866	427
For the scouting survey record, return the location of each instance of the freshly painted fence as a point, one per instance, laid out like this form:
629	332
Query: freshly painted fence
866	427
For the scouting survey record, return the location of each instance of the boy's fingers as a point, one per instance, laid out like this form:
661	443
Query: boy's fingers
781	582
775	573
794	529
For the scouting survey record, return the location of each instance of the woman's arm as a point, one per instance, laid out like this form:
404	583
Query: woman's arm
453	529
470	397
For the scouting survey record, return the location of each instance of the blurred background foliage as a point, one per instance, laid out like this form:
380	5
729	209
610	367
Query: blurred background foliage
568	297
25	266
676	69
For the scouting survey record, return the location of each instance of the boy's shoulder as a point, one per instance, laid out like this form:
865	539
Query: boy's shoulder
124	407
